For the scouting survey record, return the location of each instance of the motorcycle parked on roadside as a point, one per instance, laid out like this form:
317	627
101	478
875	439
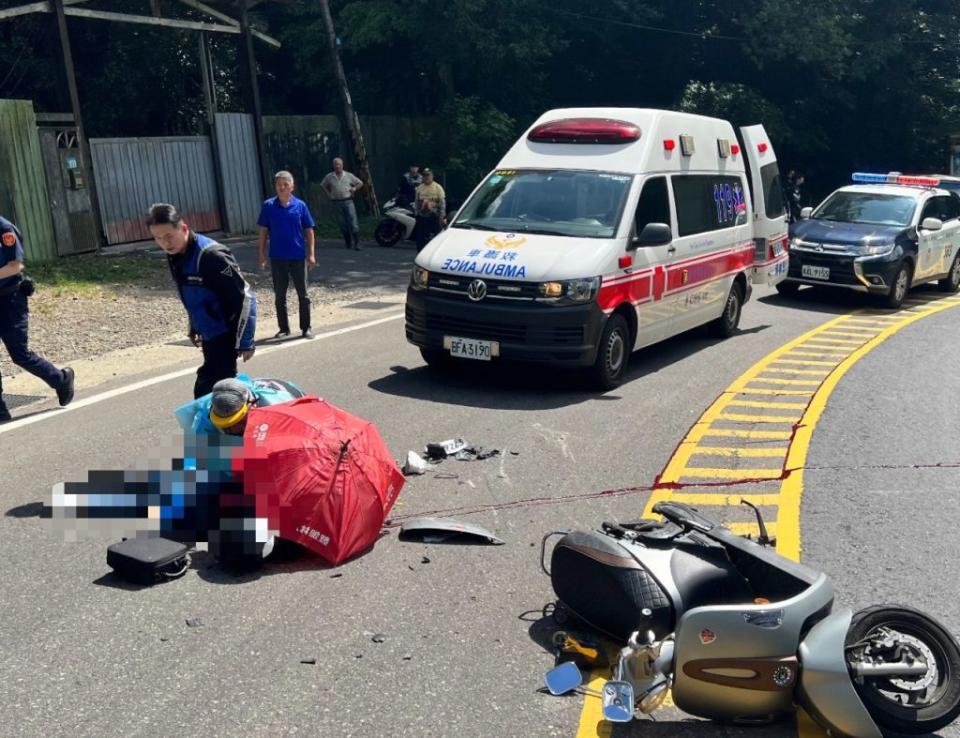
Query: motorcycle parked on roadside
737	632
399	222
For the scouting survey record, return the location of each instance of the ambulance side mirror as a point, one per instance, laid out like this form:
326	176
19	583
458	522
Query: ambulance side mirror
653	234
806	213
931	224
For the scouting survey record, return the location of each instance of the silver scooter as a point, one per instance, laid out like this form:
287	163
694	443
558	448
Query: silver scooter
739	633
396	225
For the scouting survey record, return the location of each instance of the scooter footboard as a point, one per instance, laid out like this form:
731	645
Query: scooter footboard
740	661
826	691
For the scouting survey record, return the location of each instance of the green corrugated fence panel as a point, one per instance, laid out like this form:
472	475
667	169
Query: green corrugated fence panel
23	186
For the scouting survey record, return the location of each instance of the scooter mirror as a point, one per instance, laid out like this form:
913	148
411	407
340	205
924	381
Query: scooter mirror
564	678
618	702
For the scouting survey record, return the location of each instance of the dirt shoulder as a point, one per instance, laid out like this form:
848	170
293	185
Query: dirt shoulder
119	315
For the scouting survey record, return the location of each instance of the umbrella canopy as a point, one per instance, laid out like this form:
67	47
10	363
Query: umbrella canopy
322	477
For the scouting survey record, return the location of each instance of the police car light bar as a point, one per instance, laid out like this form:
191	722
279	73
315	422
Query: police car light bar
585	131
866	178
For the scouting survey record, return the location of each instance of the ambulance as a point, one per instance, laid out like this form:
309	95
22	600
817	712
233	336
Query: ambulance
601	231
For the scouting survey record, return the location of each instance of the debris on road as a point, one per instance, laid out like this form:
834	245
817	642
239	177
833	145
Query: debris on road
194	622
415	464
379	638
308	661
443	530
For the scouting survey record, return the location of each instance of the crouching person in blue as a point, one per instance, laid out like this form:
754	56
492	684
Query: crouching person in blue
220	305
225	409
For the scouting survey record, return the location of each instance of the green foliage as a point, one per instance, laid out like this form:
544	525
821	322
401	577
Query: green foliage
478	136
840	84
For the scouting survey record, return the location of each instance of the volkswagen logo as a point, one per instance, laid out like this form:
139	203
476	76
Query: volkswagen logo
477	290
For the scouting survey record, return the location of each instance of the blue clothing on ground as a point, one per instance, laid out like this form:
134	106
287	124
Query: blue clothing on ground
286	226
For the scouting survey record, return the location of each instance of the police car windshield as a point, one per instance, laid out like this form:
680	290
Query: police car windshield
869	208
553	202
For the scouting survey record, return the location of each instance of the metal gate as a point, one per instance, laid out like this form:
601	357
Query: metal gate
242	196
133	173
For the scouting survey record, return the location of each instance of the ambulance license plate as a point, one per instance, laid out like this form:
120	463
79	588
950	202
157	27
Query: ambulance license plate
471	348
815	272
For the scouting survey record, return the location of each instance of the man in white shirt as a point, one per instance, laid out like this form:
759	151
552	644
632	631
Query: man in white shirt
340	186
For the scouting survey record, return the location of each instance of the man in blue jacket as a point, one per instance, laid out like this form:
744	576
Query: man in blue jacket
220	305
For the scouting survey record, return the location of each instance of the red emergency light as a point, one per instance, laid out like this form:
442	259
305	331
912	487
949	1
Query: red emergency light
919	181
762	148
585	131
669	144
734	149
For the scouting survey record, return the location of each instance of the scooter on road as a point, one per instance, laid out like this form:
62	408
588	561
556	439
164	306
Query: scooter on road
737	632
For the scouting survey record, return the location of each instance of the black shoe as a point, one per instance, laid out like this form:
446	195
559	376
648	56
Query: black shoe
281	334
5	415
307	333
65	391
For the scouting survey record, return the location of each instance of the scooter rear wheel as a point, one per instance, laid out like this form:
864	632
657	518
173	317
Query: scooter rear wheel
906	705
388	232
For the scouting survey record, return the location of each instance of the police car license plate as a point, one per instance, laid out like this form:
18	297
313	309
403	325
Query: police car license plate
815	272
471	348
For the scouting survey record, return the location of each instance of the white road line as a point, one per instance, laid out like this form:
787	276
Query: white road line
110	394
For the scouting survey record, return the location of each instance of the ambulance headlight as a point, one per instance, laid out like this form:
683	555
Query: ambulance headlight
419	278
570	291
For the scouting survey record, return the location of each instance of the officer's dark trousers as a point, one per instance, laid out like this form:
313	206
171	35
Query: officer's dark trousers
219	362
13	333
285	270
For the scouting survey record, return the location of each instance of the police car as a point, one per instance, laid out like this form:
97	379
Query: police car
883	235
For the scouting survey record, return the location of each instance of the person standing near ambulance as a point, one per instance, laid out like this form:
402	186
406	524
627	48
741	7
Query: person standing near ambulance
287	221
431	208
14	291
220	305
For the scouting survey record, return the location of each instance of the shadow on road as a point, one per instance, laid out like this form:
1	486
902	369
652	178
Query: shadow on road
515	386
837	301
30	510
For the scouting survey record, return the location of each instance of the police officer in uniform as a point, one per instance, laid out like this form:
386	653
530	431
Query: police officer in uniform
220	305
14	291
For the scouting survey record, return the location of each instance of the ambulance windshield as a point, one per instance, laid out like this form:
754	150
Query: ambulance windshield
869	208
553	202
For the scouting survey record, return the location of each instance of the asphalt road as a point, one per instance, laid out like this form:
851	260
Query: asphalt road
462	650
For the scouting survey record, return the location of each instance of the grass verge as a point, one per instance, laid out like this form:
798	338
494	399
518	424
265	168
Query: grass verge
89	275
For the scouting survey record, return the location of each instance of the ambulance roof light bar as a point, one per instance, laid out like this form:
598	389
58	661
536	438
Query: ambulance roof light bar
895	178
585	131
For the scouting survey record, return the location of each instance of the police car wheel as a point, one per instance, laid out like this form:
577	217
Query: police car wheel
788	288
388	232
951	283
900	287
726	325
613	354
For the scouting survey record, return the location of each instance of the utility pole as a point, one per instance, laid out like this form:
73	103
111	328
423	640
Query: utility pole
349	115
251	64
86	161
210	102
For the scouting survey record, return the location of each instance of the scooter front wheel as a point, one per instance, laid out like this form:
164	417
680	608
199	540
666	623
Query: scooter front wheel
388	232
886	635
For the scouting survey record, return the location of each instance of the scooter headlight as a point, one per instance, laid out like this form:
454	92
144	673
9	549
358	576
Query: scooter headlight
419	278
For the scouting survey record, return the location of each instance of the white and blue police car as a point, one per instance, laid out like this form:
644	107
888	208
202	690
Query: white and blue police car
883	235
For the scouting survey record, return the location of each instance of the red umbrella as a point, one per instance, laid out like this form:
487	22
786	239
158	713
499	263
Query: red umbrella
322	477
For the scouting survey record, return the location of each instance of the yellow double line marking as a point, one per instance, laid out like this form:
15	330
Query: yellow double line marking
836	345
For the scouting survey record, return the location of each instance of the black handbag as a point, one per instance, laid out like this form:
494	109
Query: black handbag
148	560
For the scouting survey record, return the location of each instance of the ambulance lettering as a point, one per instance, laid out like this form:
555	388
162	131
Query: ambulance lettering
489	269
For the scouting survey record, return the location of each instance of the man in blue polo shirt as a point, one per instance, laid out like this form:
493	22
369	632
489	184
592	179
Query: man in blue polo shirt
286	220
14	291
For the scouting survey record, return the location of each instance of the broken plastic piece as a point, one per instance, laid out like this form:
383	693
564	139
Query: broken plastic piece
440	530
476	453
415	464
439	451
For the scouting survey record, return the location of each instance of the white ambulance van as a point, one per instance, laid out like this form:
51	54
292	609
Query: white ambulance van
602	230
